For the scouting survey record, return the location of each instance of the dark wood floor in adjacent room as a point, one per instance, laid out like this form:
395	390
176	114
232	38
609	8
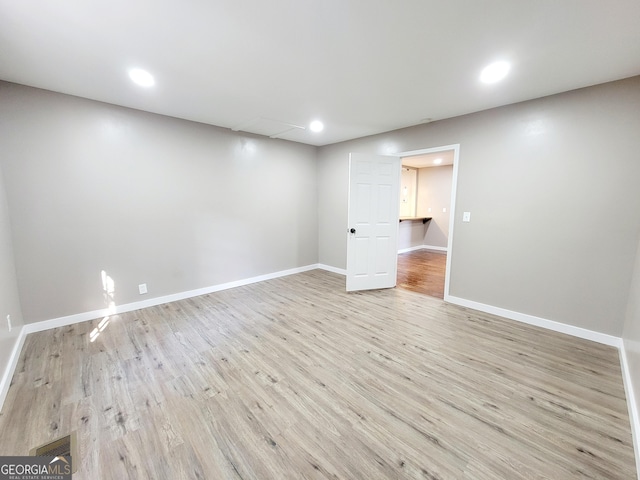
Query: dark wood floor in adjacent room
294	378
422	271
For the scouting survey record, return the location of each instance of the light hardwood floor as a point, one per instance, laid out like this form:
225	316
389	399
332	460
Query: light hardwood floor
294	378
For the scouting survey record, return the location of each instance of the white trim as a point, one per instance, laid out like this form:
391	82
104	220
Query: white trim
75	318
436	249
5	383
329	268
410	249
537	321
423	247
422	151
152	302
452	217
634	415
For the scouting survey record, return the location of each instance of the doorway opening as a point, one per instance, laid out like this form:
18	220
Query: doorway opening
427	212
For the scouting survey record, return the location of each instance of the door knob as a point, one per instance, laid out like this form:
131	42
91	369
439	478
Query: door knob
353	230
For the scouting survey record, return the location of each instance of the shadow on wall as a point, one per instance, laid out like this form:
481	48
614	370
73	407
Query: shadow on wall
435	235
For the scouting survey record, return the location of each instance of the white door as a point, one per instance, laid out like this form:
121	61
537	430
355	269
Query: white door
372	245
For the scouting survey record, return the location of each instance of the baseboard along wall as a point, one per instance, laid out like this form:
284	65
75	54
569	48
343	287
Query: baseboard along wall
423	247
632	405
538	321
5	382
152	302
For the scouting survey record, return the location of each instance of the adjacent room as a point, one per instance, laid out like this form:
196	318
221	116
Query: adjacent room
274	240
425	220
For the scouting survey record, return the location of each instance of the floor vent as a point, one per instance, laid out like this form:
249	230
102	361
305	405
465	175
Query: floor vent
60	447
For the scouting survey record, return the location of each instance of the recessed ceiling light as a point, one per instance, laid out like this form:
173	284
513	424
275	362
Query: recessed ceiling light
316	126
141	77
495	72
437	161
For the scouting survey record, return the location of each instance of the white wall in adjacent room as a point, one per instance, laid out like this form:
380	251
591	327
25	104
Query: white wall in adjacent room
434	200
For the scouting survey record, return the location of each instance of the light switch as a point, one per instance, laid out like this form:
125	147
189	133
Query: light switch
466	217
444	209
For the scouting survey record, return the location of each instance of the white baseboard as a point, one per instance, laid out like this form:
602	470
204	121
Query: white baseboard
634	415
437	249
5	383
410	249
329	268
152	302
423	247
538	322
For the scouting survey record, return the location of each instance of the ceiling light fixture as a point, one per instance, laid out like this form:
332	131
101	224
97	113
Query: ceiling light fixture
495	72
141	77
437	161
316	126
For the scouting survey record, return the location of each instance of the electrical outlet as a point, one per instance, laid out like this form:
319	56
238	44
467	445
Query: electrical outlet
444	209
142	288
9	322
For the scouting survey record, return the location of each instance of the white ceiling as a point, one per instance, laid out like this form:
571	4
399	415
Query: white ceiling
427	159
361	66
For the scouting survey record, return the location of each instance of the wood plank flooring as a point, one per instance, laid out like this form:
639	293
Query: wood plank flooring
295	378
423	272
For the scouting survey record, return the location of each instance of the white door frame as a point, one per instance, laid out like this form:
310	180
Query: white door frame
452	212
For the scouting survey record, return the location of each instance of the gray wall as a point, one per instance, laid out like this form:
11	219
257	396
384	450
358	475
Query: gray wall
9	299
552	187
631	333
434	191
146	198
410	234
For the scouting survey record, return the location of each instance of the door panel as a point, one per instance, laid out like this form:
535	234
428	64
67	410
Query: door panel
374	186
384	205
